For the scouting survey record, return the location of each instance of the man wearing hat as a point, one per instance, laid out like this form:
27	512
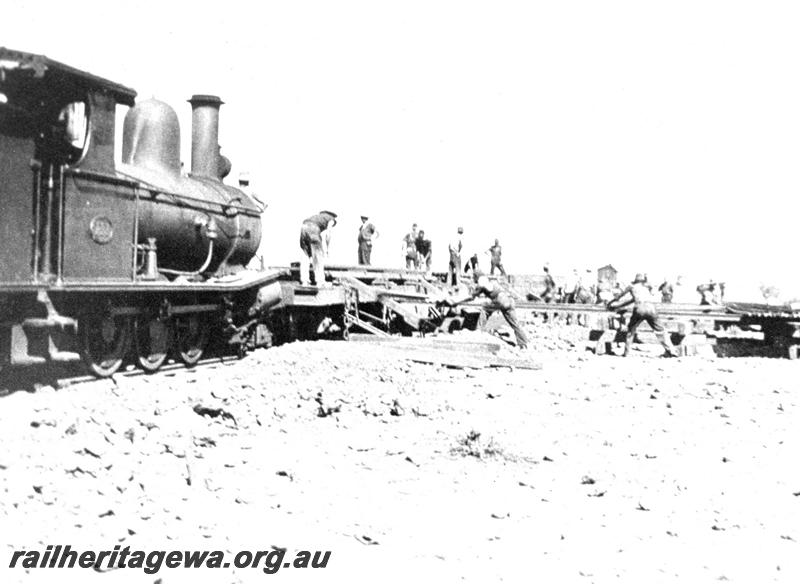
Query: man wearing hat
315	237
644	310
454	267
366	233
500	300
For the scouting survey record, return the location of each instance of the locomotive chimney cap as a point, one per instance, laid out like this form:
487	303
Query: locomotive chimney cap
203	99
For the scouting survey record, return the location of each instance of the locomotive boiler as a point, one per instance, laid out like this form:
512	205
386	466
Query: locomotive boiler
100	257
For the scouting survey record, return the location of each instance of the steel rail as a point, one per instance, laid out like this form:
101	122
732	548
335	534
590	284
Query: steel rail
173	368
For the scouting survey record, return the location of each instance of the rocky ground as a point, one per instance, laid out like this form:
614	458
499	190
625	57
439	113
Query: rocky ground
593	469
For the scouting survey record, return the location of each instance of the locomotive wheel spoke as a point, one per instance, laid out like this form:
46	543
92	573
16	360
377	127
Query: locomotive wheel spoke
191	337
104	343
152	343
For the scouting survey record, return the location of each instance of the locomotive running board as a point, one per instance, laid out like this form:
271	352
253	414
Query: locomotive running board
242	281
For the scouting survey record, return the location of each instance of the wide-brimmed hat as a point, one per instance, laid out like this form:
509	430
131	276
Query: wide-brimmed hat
640	279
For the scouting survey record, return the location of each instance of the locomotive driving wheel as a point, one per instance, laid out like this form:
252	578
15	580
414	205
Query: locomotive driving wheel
191	334
152	343
104	343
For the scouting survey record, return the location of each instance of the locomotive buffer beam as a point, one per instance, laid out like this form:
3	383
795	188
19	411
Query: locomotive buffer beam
37	340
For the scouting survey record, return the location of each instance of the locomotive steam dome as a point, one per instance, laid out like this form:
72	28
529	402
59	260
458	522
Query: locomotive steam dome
152	138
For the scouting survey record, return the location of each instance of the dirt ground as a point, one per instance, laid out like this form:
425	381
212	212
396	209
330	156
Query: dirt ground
593	469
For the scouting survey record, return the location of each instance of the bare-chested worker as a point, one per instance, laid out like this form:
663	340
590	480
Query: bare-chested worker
500	300
644	310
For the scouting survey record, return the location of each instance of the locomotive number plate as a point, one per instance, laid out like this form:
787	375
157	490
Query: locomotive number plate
101	229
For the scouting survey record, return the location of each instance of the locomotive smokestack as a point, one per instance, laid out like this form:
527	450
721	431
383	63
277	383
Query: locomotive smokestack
205	135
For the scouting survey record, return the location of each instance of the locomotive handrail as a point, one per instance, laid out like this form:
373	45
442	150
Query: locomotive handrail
133	182
240	208
111	178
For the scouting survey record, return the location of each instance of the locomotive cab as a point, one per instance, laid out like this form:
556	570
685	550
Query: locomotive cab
53	118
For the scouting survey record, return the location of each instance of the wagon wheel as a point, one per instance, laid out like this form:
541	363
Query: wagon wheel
104	343
152	343
191	335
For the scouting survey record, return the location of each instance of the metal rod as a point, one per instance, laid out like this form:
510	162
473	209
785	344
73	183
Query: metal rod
47	266
60	251
37	203
135	247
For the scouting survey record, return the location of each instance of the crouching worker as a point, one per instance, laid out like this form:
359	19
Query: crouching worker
500	300
644	310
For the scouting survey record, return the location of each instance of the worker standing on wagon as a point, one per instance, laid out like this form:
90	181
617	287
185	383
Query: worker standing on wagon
366	233
244	185
706	292
550	288
496	255
454	267
644	310
423	251
409	249
315	237
667	291
500	300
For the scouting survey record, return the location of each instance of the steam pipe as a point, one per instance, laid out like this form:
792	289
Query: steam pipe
202	269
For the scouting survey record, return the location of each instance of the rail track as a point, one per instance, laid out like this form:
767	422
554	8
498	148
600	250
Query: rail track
61	376
372	300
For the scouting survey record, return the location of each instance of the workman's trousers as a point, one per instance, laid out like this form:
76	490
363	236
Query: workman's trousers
511	318
364	252
424	263
499	266
411	263
454	269
651	318
311	244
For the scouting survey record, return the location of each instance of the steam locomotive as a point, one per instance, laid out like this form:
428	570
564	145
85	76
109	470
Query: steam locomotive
100	260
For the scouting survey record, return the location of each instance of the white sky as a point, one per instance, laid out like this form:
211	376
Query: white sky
660	137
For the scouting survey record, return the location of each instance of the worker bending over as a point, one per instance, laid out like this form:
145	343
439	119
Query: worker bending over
644	310
315	237
500	300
